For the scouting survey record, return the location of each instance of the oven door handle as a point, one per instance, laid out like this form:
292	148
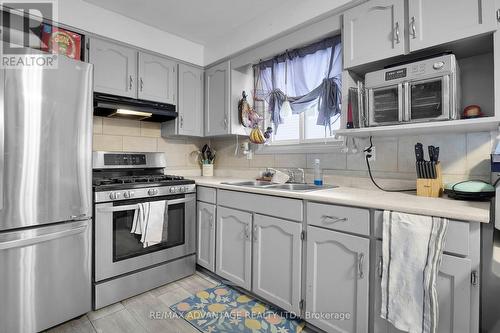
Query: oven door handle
118	208
134	207
179	201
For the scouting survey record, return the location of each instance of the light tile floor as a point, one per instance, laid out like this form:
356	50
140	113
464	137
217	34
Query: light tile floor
133	314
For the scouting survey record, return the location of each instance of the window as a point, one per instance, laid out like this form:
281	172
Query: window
309	79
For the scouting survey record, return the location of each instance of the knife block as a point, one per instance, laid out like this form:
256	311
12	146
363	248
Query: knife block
431	187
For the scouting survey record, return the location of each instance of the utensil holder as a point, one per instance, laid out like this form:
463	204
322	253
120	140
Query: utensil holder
207	170
431	187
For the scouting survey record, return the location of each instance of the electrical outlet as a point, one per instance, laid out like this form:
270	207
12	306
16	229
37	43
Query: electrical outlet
373	154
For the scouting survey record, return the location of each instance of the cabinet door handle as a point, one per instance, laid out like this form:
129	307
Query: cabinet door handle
130	82
413	28
327	219
379	267
246	232
225	121
211	221
182	121
396	30
361	259
254	233
141	84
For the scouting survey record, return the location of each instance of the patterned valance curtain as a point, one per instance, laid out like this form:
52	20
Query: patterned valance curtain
307	77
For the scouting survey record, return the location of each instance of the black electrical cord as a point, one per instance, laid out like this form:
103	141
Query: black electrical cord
367	157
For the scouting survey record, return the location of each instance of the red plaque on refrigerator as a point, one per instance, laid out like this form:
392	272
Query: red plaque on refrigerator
60	41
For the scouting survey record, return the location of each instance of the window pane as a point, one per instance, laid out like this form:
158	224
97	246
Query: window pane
313	131
290	130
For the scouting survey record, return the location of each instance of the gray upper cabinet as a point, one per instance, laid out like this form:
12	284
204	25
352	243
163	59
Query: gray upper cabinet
217	99
157	79
205	216
454	294
337	279
373	31
436	22
115	68
190	103
234	246
277	261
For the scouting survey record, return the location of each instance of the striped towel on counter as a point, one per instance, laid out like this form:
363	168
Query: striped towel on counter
412	248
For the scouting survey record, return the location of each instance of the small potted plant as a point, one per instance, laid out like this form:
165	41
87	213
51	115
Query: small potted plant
206	157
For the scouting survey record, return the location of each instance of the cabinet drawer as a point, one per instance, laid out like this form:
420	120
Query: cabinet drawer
290	209
206	194
341	218
457	235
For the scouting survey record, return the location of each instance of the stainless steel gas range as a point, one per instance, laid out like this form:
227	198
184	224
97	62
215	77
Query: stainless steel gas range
123	265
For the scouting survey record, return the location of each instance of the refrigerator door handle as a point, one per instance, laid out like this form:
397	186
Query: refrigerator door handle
2	136
22	242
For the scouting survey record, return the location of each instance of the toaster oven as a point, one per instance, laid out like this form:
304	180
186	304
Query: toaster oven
427	90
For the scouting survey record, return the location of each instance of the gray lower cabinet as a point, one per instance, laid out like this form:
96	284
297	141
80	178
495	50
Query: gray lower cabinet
115	68
277	261
205	217
454	293
157	79
337	295
234	246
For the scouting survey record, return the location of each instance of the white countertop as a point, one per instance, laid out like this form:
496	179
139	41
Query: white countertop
408	203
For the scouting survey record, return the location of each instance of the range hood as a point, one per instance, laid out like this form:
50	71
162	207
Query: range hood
122	107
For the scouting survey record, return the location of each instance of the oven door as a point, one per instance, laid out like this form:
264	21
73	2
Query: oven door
429	99
385	105
117	251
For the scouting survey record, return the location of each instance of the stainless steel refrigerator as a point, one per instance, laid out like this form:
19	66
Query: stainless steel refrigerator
45	195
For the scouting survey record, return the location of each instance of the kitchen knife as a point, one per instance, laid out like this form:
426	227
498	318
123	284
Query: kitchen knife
431	152
419	152
433	169
436	154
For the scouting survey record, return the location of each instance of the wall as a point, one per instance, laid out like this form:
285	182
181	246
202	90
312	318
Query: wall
270	25
463	156
85	16
134	136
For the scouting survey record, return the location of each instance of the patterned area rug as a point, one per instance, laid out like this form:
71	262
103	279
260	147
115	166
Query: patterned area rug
223	309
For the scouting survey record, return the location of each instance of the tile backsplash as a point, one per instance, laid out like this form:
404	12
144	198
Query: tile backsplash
463	156
130	135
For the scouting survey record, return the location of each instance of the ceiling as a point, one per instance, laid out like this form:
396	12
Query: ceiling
223	27
198	21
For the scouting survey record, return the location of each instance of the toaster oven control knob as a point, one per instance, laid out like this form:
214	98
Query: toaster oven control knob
114	195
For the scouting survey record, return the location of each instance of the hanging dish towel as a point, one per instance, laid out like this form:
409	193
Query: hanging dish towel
148	221
411	254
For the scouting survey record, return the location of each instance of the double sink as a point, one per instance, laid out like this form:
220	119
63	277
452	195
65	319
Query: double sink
294	187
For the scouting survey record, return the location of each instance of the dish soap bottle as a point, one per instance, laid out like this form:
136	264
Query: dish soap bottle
318	176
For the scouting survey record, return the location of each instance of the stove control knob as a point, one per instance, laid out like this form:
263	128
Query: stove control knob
172	190
182	189
128	194
152	191
114	195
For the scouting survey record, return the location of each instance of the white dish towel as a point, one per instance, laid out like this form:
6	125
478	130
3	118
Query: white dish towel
412	248
149	220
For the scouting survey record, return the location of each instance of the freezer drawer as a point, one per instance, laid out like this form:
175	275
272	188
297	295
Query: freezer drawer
45	276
